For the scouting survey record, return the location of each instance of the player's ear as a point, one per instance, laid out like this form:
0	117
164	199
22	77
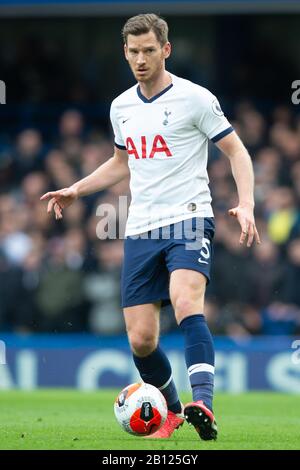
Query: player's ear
167	50
126	51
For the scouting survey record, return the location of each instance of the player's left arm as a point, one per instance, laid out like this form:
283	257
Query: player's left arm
242	170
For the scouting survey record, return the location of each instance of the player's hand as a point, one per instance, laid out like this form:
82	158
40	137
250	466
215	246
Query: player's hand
60	199
245	216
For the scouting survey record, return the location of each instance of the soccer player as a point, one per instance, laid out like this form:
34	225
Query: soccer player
162	126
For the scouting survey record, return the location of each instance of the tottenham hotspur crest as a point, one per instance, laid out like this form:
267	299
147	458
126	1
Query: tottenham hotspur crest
167	114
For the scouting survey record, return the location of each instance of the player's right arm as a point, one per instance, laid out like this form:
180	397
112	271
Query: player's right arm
111	172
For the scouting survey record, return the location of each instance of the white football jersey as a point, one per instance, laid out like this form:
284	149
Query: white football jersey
166	139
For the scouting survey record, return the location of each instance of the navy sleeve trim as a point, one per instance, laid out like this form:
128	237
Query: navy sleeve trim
222	134
121	147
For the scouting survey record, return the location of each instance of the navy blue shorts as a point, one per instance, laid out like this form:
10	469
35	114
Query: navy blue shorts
151	257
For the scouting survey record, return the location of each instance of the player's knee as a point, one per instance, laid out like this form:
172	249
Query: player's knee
142	344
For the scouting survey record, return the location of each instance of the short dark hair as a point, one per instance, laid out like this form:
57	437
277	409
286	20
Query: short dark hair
144	23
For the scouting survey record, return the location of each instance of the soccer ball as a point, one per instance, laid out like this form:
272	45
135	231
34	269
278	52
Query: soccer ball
140	409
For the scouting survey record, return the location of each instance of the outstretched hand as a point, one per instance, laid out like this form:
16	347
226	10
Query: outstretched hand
59	200
245	217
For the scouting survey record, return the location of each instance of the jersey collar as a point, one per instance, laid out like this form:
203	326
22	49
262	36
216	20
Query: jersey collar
145	100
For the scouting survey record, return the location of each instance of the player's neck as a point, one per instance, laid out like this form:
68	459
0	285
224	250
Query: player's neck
154	87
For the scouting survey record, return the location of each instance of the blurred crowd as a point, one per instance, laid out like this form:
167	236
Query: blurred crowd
58	276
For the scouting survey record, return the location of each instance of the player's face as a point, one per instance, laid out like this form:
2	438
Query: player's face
146	56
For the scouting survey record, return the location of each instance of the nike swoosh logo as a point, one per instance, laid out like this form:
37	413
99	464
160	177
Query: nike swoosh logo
125	120
201	261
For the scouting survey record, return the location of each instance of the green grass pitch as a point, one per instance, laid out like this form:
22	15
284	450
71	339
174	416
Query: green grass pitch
70	419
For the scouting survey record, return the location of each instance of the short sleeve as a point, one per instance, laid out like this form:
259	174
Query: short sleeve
208	115
116	129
